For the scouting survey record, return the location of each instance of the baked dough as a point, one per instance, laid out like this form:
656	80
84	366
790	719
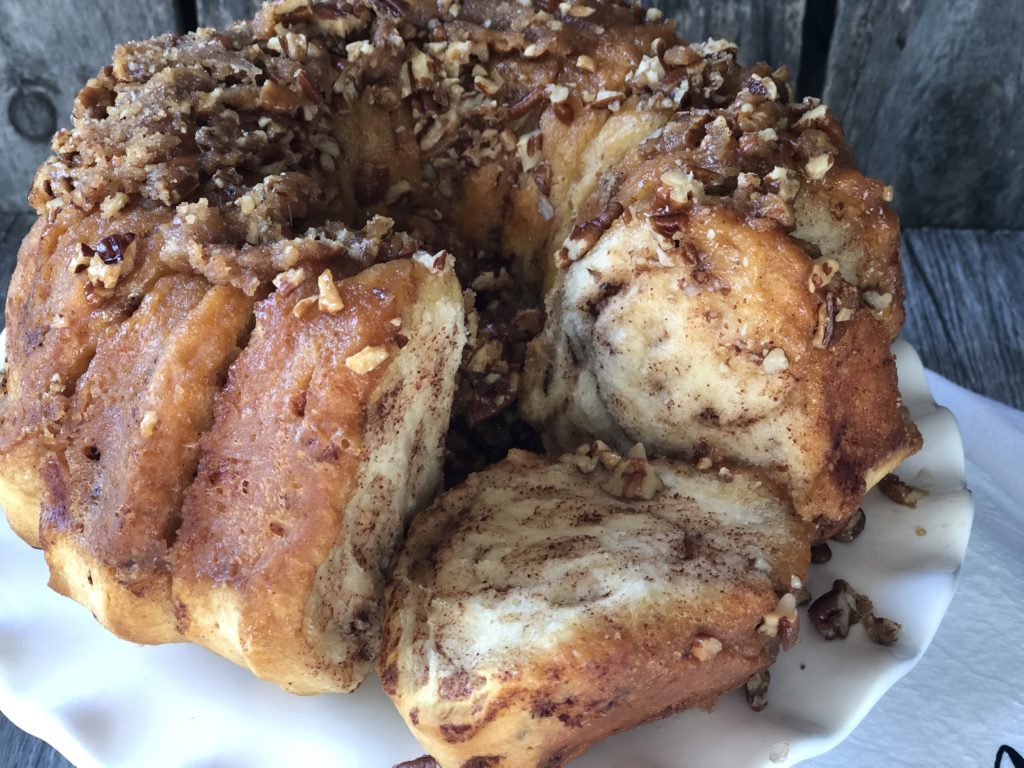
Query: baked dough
112	498
326	439
273	554
546	604
708	344
655	244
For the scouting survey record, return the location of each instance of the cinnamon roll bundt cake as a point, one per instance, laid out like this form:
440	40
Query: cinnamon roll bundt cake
289	276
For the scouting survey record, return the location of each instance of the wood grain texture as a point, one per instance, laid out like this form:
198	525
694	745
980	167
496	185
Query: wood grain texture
48	48
220	13
929	94
19	750
766	30
964	310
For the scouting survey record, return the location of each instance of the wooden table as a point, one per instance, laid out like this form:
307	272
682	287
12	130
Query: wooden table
965	316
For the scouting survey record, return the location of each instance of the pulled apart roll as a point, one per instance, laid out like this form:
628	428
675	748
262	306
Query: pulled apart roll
274	554
546	604
327	438
56	316
706	337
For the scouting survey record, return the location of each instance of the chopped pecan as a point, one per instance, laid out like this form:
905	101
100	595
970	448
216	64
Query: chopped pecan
854	527
329	300
880	630
564	112
681	188
820	553
785	611
835	612
112	249
705	647
756	690
277	98
426	761
901	492
825	331
585	235
634	477
366	359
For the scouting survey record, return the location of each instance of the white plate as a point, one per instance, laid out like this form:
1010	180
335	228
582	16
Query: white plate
105	702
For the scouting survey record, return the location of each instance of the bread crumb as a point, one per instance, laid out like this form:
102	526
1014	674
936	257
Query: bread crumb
148	424
775	362
705	647
779	752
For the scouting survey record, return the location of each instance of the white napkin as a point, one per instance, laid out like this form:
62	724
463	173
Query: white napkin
966	696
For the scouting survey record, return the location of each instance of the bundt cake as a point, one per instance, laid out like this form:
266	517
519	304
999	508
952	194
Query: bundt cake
288	276
543	604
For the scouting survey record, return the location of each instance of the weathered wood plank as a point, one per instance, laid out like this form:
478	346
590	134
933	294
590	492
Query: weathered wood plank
48	48
765	30
18	749
929	94
964	311
220	13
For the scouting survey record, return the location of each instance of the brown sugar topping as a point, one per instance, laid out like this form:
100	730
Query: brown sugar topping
267	142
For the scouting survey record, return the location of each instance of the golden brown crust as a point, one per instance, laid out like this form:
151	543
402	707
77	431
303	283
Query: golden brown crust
290	519
724	297
112	494
532	612
55	319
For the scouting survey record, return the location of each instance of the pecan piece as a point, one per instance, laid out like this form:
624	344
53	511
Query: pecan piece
900	492
854	527
756	690
880	630
585	235
835	612
821	553
425	761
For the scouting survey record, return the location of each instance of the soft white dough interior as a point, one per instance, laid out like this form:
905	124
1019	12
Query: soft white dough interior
529	555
